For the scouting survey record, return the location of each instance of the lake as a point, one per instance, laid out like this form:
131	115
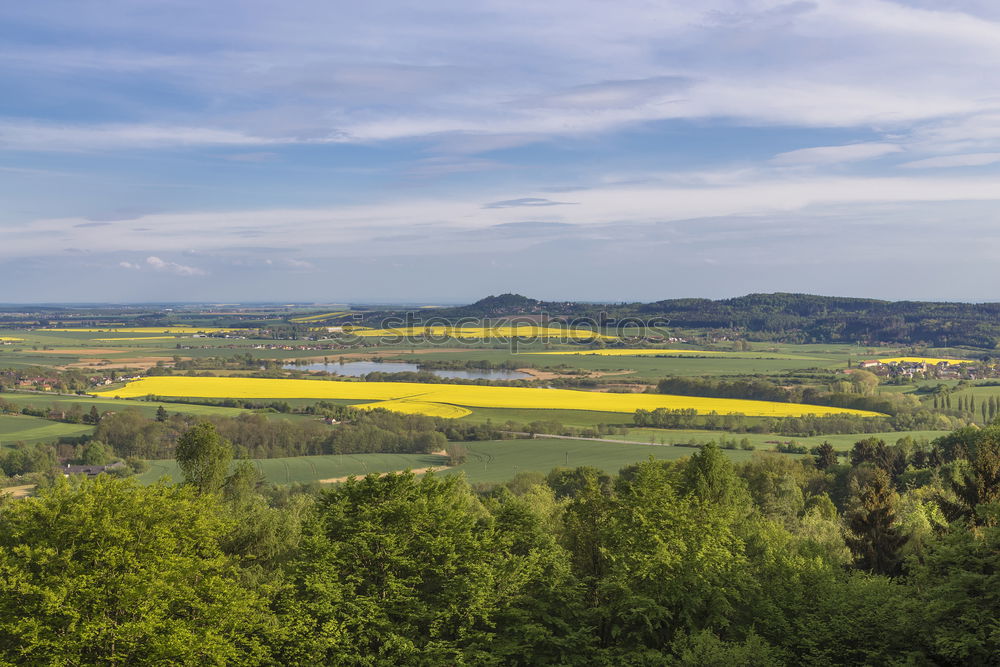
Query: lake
360	368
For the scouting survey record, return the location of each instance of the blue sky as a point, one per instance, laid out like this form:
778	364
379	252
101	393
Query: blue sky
442	151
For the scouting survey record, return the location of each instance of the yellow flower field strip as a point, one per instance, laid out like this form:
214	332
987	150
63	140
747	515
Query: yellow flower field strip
482	332
142	330
319	318
646	352
419	408
473	396
10	339
924	360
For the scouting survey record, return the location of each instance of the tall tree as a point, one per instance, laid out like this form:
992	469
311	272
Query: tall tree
979	484
876	539
204	457
110	572
826	456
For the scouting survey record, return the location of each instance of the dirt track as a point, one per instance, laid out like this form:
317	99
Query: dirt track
415	471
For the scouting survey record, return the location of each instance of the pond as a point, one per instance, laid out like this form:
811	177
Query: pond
360	368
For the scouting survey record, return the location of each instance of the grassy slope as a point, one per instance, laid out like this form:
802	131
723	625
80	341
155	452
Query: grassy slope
766	440
146	407
21	428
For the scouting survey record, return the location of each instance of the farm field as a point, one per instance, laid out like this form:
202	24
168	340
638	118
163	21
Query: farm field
488	461
146	407
22	428
634	369
765	441
923	360
526	331
455	394
645	352
138	330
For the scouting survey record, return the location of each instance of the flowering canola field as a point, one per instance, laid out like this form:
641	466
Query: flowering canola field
8	339
527	331
319	318
923	360
418	397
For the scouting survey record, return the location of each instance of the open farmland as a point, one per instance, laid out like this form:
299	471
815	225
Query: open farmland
456	394
22	428
500	332
488	461
62	402
138	330
641	368
923	360
765	441
645	352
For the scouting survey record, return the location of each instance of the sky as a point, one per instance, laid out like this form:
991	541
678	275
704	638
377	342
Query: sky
441	151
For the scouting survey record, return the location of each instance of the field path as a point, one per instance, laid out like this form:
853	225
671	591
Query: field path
17	491
415	471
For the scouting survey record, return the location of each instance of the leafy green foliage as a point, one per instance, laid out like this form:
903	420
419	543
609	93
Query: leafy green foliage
110	572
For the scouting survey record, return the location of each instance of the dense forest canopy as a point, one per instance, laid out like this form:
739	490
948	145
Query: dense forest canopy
889	559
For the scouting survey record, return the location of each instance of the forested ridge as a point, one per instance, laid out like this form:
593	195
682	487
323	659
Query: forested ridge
780	316
890	559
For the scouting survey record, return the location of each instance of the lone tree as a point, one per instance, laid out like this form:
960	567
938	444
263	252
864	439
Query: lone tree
203	456
161	414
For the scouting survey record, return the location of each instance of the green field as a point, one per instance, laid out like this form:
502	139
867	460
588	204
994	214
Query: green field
490	461
148	408
766	441
21	428
634	369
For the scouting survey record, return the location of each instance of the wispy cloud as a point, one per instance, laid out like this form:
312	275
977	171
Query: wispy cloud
826	155
158	264
527	202
967	160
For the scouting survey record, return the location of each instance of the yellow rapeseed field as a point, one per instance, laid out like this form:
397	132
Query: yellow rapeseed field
9	339
528	331
923	360
141	330
471	396
319	318
420	408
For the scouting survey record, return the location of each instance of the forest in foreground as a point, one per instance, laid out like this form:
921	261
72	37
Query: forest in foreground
889	559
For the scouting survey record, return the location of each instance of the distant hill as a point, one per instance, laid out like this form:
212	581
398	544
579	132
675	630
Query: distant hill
781	317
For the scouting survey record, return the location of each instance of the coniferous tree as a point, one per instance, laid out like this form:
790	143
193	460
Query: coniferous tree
978	485
875	538
825	456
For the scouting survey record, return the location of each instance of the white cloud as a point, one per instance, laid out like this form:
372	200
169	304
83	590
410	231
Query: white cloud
966	160
129	265
825	155
523	72
158	264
